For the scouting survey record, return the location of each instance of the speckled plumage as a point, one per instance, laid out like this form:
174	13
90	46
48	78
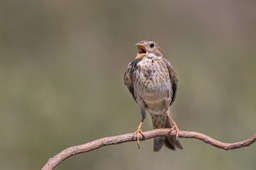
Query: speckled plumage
152	82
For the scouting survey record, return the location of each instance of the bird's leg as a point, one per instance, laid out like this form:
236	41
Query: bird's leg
175	127
139	132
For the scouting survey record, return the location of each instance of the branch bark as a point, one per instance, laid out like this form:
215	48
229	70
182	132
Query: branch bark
74	150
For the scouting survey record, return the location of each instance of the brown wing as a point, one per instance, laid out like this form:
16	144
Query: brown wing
128	77
173	78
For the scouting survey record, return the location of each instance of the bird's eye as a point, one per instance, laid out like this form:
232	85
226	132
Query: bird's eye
152	45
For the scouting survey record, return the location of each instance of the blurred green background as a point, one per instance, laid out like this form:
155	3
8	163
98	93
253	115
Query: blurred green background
61	80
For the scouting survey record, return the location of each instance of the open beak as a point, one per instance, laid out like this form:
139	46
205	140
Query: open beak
142	51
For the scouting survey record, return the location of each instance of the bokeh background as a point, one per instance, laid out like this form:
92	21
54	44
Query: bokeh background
61	80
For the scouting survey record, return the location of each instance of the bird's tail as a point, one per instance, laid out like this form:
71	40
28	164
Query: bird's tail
162	121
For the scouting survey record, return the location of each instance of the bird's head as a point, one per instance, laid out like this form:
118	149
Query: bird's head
148	48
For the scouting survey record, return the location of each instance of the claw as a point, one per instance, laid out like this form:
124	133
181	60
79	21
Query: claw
175	127
137	134
176	130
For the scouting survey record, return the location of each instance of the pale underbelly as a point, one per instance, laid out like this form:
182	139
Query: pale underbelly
155	92
157	108
156	102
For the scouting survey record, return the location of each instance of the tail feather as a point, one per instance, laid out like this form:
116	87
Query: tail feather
158	143
161	121
169	144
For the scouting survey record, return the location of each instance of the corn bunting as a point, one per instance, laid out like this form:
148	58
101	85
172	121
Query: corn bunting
152	81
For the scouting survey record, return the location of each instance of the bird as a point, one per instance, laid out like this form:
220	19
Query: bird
153	82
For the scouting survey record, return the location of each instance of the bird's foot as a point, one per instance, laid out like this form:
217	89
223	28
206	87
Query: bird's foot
174	126
137	134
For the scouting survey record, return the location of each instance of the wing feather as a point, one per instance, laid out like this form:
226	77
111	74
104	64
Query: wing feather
173	78
128	77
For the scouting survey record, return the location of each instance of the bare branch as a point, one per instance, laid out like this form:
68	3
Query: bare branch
74	150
